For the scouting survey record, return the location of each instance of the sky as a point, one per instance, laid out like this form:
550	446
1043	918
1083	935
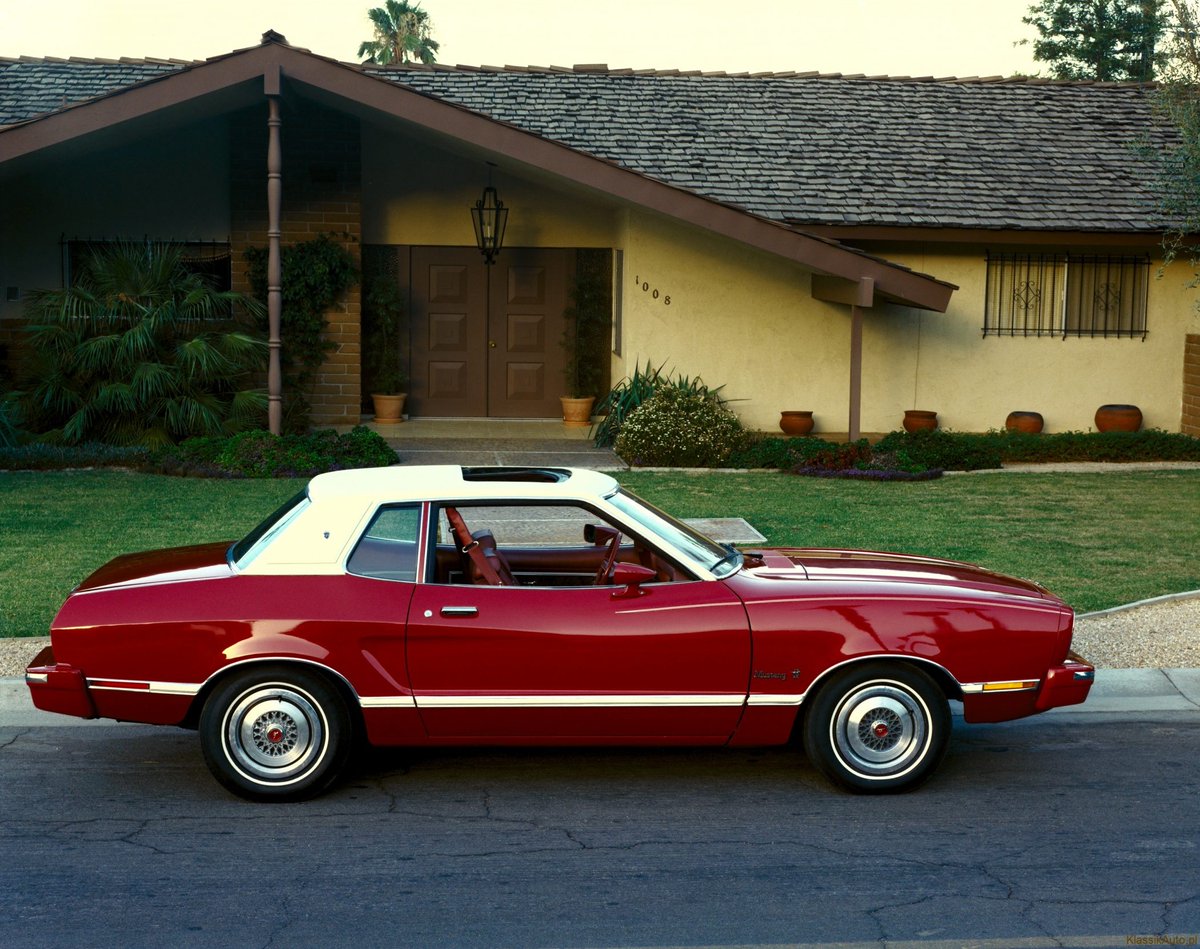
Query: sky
876	37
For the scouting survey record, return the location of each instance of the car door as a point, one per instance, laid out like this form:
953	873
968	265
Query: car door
668	662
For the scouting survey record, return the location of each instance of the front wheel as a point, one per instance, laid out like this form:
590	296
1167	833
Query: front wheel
878	727
275	734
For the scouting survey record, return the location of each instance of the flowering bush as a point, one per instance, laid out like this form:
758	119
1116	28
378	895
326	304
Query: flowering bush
679	428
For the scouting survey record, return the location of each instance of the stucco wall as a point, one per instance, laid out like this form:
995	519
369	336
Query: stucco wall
748	321
973	382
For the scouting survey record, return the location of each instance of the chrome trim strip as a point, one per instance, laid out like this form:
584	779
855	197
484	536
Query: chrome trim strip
387	701
41	678
768	699
141	685
725	700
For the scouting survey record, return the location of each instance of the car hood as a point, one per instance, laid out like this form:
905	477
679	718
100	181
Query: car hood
870	567
198	562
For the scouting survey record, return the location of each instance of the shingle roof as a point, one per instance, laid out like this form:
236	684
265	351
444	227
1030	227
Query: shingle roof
799	149
32	87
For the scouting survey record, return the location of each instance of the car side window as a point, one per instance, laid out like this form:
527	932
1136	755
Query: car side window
533	545
387	549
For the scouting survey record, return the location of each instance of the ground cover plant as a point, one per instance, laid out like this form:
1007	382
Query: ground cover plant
253	454
963	451
1098	540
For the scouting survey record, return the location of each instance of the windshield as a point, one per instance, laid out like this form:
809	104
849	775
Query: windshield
244	550
720	560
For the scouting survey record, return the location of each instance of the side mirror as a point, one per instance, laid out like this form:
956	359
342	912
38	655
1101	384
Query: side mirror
631	576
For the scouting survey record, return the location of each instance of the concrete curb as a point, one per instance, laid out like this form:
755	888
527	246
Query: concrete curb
1117	691
1165	598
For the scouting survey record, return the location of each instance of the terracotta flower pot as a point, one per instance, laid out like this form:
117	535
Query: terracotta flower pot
577	413
1118	418
1028	422
796	422
389	409
919	420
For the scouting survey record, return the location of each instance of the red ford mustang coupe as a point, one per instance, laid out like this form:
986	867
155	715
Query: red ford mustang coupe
543	606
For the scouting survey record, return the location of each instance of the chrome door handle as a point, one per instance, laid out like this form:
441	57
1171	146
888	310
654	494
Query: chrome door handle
459	611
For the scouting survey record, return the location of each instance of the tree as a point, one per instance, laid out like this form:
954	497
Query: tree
1178	97
402	34
1109	40
141	351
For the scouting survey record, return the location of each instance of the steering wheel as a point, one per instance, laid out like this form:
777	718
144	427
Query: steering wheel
610	558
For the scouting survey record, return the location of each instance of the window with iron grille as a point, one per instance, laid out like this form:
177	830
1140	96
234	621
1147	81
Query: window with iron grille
212	260
1066	295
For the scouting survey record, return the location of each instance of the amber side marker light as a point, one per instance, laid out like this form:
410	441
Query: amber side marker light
1009	686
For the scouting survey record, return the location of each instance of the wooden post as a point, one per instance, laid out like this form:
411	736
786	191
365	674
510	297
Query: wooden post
856	325
864	297
274	266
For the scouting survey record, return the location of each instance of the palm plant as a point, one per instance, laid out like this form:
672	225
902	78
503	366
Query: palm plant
141	351
402	34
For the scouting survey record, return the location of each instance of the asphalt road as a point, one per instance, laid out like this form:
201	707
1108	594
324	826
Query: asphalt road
1066	829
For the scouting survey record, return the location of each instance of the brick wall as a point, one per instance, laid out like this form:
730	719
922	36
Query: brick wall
322	193
1190	423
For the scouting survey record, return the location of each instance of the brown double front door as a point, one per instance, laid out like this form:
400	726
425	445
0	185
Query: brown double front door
486	340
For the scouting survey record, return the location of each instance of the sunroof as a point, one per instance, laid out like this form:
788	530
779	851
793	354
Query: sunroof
501	473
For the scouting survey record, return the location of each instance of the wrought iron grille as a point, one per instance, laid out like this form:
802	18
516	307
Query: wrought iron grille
1066	295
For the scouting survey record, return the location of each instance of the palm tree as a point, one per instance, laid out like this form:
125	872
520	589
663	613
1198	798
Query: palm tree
142	351
402	34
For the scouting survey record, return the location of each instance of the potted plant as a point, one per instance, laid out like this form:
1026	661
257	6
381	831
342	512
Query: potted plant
384	304
584	339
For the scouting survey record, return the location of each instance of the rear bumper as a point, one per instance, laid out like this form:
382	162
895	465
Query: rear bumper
56	687
1067	684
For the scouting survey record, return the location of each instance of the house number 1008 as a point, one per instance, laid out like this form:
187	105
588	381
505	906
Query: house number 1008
653	291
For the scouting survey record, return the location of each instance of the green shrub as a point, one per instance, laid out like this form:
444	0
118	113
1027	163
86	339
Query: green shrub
1151	444
680	428
316	274
772	451
262	455
140	351
945	450
627	395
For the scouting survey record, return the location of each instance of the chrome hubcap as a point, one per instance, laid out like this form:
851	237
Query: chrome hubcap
275	734
881	730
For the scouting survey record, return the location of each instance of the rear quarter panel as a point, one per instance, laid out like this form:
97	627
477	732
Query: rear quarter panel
182	634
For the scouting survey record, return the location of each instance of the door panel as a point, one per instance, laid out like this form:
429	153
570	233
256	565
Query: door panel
449	320
544	664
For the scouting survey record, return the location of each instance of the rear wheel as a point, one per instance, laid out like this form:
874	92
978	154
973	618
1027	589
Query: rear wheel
275	734
878	727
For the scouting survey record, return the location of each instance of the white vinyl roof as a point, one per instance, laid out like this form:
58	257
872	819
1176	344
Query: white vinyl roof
447	482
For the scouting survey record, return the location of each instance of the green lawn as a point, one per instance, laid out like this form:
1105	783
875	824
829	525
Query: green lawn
1096	539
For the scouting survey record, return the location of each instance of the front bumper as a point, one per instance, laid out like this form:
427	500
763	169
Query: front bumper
57	687
1067	684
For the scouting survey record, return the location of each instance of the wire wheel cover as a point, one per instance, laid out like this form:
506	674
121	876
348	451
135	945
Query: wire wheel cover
275	734
881	729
